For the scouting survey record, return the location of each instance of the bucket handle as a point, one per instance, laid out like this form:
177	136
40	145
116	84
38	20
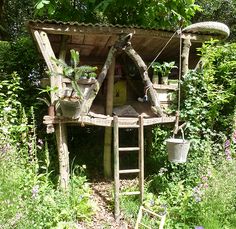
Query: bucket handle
182	131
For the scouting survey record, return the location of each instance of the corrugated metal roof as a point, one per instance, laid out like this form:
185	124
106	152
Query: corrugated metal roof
97	25
93	41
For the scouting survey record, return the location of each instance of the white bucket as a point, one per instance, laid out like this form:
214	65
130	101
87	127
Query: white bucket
177	150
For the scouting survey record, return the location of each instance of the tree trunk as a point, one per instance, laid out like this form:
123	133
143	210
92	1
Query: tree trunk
185	55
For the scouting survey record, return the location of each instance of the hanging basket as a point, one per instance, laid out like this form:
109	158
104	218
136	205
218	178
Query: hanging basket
177	149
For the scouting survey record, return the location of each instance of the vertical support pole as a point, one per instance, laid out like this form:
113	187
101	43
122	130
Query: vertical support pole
63	155
141	158
185	55
108	130
61	133
55	81
116	167
148	137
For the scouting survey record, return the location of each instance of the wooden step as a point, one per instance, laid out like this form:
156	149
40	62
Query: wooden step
129	171
130	193
129	148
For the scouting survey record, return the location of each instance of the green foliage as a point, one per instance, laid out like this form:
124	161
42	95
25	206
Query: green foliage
218	10
214	95
161	14
75	72
209	108
164	69
13	14
13	58
27	195
218	204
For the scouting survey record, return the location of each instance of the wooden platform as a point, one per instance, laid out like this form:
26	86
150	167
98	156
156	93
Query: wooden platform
107	121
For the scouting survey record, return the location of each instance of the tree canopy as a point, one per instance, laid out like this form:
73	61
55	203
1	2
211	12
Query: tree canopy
152	13
218	10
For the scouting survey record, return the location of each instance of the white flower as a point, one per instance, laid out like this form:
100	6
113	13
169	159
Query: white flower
7	109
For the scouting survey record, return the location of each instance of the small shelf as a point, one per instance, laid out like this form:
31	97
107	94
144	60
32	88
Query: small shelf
165	87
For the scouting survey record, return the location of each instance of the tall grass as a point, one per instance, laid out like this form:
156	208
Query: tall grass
28	197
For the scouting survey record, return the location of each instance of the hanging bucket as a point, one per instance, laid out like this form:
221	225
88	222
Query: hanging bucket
177	149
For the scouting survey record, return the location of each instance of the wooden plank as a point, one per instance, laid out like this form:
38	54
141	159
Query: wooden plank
129	148
124	171
48	54
141	158
108	121
98	40
165	87
139	218
140	215
152	213
116	168
130	193
77	40
161	226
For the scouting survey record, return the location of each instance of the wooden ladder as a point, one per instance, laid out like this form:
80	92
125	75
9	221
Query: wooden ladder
117	171
152	214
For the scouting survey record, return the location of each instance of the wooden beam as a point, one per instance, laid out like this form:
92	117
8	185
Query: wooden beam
116	168
63	155
48	54
93	91
61	134
144	74
108	121
141	158
108	130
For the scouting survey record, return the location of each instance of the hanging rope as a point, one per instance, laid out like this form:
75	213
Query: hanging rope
162	49
180	67
177	127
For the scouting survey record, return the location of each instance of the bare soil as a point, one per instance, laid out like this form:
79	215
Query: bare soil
102	196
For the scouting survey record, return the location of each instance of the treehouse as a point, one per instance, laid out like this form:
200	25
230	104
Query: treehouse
124	94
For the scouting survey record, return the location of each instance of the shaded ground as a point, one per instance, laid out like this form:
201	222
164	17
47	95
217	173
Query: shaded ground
103	198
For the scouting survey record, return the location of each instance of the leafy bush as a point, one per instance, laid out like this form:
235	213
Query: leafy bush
28	197
217	209
208	105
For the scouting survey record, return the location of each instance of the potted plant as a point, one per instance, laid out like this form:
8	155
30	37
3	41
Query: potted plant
81	77
164	70
46	100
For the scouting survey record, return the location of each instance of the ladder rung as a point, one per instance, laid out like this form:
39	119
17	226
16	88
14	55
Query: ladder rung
129	148
128	126
145	225
129	171
130	193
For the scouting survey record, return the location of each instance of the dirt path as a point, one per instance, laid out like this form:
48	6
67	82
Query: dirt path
104	218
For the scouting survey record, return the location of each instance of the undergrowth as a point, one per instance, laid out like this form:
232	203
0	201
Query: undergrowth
201	192
29	198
